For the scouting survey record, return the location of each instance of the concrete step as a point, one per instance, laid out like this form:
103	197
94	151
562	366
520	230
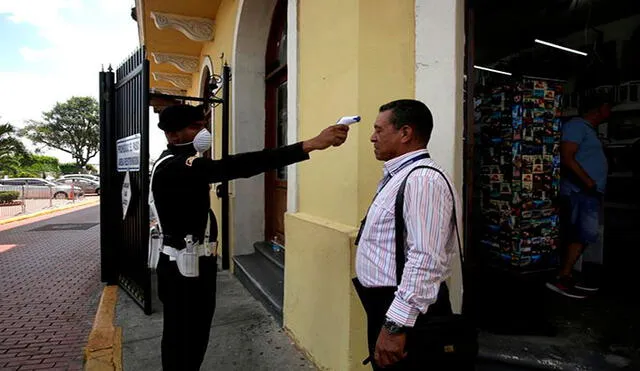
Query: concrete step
265	248
264	280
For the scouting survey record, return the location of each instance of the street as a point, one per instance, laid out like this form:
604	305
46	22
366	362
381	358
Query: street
50	284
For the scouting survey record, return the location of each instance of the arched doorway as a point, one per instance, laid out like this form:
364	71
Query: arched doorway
248	123
275	185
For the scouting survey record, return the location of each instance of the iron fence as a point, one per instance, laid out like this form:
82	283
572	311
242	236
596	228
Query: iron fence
17	200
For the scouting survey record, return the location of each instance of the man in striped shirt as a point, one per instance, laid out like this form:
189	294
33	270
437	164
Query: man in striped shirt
401	133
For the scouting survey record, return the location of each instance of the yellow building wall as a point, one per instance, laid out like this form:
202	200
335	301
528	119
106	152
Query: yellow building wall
219	51
364	59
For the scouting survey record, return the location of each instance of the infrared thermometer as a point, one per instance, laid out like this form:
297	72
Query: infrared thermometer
348	120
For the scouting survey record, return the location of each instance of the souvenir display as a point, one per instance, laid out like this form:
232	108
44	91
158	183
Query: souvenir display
519	171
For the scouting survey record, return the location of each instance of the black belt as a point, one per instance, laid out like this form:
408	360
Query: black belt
373	298
176	242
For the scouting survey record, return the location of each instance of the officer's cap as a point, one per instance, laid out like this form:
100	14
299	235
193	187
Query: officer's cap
179	116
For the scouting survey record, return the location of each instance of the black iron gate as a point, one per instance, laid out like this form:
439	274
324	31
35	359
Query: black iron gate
124	169
126	137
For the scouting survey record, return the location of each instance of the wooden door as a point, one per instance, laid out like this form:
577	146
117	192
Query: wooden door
276	123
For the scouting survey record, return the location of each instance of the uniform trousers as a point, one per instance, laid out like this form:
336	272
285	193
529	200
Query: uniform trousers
188	307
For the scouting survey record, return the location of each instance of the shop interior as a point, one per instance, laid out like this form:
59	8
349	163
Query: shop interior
528	65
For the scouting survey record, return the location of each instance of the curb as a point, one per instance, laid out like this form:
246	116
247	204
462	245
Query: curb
103	351
48	211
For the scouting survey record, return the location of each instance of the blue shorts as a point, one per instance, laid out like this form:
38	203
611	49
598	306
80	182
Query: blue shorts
580	217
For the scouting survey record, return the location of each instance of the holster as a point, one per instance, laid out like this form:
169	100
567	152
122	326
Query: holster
188	259
155	247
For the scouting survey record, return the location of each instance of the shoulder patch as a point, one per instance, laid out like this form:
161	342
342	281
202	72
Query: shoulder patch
190	160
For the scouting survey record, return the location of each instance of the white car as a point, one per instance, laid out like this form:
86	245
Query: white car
81	176
87	185
40	188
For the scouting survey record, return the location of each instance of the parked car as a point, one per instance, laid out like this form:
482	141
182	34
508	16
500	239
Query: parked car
82	176
87	185
40	188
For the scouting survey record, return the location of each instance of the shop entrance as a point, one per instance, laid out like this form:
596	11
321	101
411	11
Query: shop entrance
530	68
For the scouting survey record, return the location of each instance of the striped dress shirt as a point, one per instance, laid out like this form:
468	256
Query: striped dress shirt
431	242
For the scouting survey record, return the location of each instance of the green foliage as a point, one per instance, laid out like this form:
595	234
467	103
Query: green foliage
91	169
38	166
11	149
8	196
69	168
72	127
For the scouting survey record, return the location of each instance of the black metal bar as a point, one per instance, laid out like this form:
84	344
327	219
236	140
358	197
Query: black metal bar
131	75
144	178
108	266
226	75
195	99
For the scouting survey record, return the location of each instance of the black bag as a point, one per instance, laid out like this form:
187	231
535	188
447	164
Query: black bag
450	339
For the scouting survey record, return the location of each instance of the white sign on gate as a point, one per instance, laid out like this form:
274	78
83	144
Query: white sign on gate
128	153
126	195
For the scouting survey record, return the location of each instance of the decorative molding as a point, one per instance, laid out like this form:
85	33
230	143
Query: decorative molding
179	80
185	63
169	91
196	29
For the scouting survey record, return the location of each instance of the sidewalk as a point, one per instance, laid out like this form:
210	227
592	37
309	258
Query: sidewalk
11	214
49	285
243	335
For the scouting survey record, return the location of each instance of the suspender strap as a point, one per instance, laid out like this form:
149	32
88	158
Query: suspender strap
401	227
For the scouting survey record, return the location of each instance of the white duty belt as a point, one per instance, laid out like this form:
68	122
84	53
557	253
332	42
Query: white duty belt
187	258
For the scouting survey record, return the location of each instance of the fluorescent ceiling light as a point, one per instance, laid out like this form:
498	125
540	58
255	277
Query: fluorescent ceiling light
492	70
560	47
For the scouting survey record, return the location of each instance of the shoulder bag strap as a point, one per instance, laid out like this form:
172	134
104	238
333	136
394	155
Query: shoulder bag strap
152	203
400	225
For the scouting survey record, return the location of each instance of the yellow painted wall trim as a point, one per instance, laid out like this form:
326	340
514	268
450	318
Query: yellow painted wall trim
321	313
300	347
104	348
329	224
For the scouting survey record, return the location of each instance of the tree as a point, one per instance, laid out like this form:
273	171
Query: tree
38	166
72	127
11	149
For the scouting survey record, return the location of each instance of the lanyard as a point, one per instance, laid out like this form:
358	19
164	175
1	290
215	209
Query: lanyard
384	183
402	166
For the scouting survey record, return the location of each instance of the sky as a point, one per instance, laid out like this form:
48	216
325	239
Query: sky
51	50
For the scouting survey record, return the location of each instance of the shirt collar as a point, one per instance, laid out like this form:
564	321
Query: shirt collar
392	166
186	149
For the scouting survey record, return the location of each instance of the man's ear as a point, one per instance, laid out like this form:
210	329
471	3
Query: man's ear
407	133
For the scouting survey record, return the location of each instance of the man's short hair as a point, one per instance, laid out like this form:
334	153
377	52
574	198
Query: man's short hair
592	102
179	116
413	113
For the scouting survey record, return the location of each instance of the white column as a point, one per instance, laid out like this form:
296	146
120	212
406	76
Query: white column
439	76
439	84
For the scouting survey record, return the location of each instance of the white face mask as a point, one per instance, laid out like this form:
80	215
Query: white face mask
202	141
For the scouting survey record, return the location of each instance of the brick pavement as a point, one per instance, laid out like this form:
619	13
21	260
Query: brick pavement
49	287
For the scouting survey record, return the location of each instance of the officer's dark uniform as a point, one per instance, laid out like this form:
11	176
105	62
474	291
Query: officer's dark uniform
181	192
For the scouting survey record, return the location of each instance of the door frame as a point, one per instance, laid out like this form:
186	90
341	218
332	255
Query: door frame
276	74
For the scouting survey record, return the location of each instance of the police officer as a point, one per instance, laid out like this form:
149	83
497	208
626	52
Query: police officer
187	267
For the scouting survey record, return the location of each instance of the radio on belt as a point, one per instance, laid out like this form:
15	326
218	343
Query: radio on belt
348	120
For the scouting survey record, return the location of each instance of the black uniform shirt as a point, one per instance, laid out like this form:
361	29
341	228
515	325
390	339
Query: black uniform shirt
181	184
